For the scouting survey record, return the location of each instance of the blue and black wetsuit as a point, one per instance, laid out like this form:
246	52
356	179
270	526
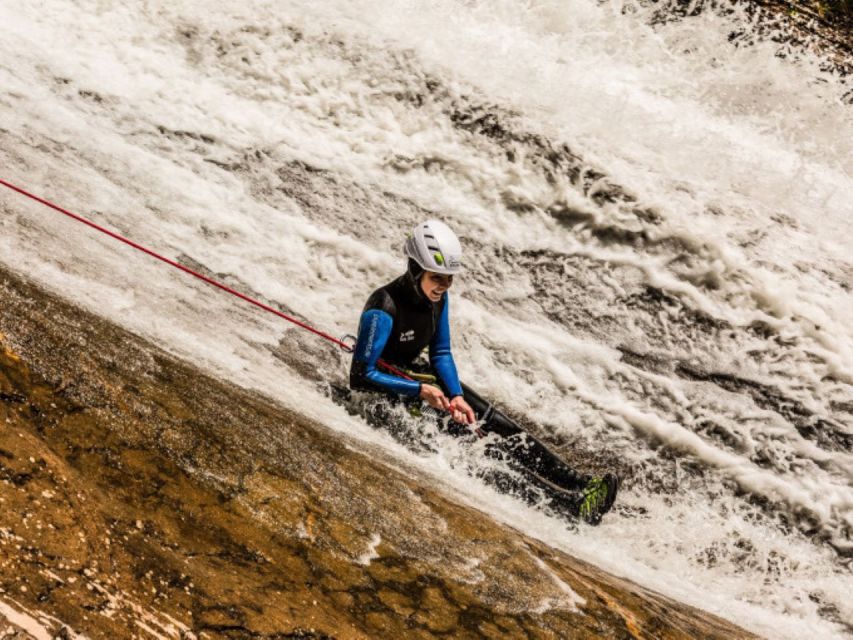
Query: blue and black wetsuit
397	324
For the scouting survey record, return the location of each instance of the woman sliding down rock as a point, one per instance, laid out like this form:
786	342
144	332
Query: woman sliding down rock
411	314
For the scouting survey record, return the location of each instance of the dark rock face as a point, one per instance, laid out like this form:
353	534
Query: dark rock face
139	496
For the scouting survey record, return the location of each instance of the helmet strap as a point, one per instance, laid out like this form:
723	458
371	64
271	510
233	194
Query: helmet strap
415	273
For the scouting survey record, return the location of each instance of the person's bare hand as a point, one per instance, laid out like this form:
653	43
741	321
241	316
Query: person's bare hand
461	411
434	397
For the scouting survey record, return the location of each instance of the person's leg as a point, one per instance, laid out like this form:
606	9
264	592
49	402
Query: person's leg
583	496
522	448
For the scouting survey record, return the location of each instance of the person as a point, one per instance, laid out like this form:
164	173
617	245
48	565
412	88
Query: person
412	314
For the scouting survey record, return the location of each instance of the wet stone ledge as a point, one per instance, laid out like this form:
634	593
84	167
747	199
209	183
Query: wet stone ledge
141	498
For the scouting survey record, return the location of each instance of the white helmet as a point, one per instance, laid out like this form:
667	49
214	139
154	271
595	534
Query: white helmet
435	248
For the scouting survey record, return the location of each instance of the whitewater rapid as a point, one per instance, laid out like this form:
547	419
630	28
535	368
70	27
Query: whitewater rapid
656	223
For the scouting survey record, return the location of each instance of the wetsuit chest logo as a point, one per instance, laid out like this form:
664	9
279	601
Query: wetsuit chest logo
407	336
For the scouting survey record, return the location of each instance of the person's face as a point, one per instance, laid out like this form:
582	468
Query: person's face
435	284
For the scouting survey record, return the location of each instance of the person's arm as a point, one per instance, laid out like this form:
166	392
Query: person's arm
373	331
440	356
441	360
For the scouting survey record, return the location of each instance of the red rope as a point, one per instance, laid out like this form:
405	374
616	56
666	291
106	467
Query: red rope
196	274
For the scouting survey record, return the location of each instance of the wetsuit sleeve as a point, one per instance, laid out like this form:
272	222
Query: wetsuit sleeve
439	353
373	331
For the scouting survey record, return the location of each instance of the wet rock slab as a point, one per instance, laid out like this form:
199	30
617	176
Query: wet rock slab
141	498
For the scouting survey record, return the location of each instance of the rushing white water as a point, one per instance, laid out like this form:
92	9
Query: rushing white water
657	225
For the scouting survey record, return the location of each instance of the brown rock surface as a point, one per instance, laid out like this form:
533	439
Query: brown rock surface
139	496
